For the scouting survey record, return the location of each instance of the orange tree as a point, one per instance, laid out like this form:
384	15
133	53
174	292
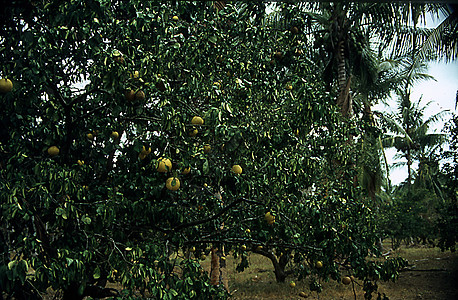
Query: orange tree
107	174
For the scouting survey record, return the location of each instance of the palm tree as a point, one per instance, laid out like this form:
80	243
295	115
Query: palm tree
409	130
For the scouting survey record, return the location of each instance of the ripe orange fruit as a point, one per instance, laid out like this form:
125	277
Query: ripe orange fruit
236	169
172	184
53	151
197	121
5	85
164	165
318	264
175	18
289	87
115	134
346	280
292	284
90	136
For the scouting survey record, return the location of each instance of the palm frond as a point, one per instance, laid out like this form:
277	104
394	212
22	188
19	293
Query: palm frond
442	41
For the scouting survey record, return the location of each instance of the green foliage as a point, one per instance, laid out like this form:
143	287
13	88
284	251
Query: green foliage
410	215
73	226
447	222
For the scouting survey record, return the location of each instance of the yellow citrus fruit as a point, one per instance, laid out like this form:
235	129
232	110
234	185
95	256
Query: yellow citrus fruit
80	162
172	184
193	132
292	284
196	120
145	151
90	136
346	280
248	230
5	85
175	18
119	59
236	169
115	134
318	264
268	216
289	87
164	165
243	247
53	151
135	74
140	96
207	148
130	95
186	170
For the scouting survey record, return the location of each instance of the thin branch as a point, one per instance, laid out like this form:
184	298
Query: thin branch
218	214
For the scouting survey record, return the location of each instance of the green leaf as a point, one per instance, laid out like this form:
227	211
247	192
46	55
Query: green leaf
96	274
86	220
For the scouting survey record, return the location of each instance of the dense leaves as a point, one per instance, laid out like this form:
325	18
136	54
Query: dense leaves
100	210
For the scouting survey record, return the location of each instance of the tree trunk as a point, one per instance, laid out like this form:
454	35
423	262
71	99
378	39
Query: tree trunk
218	273
344	100
279	264
409	168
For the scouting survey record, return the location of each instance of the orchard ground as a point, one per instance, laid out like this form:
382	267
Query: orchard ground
432	275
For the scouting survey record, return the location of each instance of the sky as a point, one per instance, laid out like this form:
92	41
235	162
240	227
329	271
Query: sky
442	92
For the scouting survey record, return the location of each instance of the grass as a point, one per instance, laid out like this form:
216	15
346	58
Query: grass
433	276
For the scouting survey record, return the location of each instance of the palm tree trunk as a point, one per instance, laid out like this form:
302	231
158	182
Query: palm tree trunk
409	168
344	100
